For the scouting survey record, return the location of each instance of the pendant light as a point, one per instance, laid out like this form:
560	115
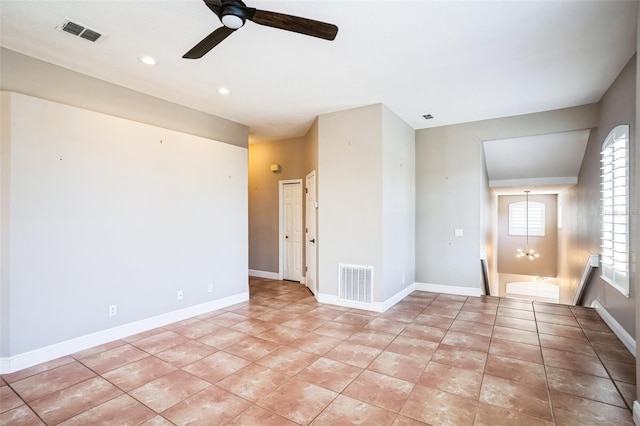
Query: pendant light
530	253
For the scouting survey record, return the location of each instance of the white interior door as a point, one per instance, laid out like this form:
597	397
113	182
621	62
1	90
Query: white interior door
292	224
310	232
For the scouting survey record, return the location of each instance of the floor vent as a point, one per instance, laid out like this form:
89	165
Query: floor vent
355	283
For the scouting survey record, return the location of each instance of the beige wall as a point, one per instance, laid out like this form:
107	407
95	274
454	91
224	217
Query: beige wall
580	234
451	189
263	196
547	246
30	76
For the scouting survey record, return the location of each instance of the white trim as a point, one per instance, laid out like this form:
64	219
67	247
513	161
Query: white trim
57	350
375	306
617	329
449	289
303	280
281	185
636	413
563	180
263	274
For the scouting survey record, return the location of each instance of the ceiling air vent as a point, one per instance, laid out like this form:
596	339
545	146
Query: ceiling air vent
80	30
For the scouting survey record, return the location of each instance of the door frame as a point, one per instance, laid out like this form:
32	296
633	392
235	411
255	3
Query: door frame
281	185
315	232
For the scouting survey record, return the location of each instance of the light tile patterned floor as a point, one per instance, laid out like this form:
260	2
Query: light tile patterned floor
284	359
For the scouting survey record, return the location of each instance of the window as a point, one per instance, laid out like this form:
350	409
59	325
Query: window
518	218
614	263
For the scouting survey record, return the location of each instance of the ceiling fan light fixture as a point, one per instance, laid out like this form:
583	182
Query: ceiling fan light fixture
232	21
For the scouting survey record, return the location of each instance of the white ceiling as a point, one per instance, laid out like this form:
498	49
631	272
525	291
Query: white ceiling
460	61
547	163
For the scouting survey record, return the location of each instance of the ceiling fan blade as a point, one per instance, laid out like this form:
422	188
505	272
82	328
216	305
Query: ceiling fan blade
208	43
215	6
294	23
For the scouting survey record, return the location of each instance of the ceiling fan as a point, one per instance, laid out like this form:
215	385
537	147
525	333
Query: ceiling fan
234	13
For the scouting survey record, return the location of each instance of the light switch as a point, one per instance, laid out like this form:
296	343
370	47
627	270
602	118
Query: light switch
458	232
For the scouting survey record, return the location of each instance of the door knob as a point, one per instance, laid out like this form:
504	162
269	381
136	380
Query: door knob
312	241
286	236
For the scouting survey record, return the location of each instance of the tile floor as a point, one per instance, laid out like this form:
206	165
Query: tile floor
284	359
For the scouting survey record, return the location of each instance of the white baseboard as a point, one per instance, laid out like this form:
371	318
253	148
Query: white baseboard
449	289
375	306
636	413
617	329
57	350
264	274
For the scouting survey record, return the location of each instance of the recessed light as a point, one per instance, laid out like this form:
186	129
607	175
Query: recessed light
224	91
148	60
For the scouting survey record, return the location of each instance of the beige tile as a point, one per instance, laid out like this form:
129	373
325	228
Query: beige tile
216	367
222	338
167	391
372	338
573	361
516	335
213	406
9	398
252	348
113	358
282	335
621	371
122	410
298	401
253	382
186	353
36	369
576	411
352	354
50	381
462	358
160	342
386	325
138	373
439	408
399	366
20	416
516	370
413	347
424	332
452	380
258	416
467	341
515	396
491	415
380	390
314	343
288	360
348	411
521	324
472	327
329	374
68	402
584	385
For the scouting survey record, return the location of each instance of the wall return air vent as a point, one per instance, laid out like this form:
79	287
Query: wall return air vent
355	283
80	30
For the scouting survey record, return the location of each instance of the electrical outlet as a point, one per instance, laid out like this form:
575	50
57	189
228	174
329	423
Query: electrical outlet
113	310
180	295
210	288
